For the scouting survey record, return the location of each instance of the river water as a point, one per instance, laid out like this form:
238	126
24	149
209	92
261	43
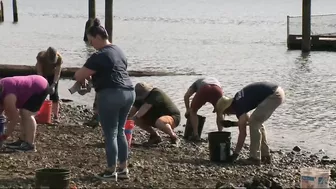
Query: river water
238	42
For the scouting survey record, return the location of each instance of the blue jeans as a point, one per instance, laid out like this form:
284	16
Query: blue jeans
113	107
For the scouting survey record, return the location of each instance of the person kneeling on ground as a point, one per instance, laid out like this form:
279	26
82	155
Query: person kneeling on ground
265	98
207	90
153	108
26	93
48	65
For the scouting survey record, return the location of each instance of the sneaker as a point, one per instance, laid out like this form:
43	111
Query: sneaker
195	138
56	120
93	122
266	159
26	147
14	145
250	161
107	175
153	139
175	141
123	174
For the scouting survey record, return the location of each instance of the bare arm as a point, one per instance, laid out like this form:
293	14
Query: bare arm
242	123
143	110
187	96
39	68
83	73
11	113
219	120
57	74
132	112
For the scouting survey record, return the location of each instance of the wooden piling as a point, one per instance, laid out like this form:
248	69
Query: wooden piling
2	15
109	18
15	11
306	25
92	15
92	9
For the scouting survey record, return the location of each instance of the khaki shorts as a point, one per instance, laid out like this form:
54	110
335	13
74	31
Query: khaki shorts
165	119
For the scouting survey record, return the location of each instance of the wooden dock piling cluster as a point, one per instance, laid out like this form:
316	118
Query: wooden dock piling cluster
306	41
306	25
15	12
108	18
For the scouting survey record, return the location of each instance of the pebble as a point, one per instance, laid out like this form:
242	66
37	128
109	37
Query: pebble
187	166
296	149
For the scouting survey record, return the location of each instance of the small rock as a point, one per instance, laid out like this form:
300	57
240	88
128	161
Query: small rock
221	185
313	156
296	149
273	173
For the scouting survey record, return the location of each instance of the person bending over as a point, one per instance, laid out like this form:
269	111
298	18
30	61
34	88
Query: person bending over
154	109
48	65
206	89
265	98
21	97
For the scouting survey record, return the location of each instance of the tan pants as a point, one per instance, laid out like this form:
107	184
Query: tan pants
264	110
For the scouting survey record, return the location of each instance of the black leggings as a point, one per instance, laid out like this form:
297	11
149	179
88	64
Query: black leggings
53	97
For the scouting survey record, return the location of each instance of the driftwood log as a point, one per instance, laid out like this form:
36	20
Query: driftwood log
7	70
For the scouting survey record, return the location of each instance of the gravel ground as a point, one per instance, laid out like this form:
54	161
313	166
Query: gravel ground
80	148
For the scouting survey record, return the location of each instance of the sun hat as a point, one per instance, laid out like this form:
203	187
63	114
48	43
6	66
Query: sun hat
142	90
223	103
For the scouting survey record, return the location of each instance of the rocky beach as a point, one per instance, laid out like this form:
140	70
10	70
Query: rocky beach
79	148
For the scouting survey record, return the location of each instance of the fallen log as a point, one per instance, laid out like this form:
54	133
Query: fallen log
8	70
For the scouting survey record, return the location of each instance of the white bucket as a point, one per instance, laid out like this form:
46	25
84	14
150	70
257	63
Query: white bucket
314	178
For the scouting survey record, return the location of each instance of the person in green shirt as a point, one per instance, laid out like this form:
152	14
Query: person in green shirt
154	109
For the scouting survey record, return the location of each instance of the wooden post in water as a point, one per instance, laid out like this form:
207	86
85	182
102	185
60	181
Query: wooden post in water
15	11
1	11
92	9
306	25
109	18
92	15
2	15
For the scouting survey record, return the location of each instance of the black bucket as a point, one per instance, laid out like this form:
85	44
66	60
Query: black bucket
219	146
188	131
52	178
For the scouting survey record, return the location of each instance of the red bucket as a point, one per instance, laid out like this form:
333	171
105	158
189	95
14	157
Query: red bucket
129	126
44	114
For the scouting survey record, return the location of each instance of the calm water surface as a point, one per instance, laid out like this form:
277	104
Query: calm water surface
238	42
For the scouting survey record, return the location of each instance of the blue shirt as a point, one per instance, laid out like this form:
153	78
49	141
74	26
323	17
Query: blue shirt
110	65
251	96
